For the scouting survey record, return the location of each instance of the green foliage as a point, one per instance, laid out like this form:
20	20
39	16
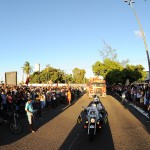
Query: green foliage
117	72
78	75
104	68
133	73
114	76
27	69
34	78
99	69
109	53
68	78
58	76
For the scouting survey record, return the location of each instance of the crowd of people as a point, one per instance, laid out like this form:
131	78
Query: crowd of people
137	94
31	101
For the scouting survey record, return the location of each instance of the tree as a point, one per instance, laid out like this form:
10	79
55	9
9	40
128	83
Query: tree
109	63
105	67
114	76
69	78
34	78
131	72
78	75
134	73
108	52
27	69
114	71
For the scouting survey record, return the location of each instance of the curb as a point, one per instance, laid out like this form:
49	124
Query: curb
137	108
140	110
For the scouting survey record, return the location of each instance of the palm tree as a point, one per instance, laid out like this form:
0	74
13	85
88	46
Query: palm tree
27	69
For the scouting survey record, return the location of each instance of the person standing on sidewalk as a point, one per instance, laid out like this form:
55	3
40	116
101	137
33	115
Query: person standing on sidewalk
30	113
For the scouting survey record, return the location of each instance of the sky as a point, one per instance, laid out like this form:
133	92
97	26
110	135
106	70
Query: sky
68	34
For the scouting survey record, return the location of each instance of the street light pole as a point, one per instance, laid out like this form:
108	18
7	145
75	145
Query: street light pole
143	35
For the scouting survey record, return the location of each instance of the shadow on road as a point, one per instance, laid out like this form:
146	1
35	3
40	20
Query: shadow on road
78	138
7	137
133	111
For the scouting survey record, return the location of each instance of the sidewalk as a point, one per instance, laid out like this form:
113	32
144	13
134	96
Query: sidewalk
137	108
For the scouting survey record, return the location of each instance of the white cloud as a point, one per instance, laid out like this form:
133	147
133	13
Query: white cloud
138	33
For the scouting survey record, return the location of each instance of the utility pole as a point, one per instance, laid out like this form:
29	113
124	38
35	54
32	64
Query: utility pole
142	32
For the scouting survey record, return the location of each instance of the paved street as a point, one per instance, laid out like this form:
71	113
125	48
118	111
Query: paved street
126	129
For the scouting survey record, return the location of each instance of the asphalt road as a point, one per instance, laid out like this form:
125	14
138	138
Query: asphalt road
126	129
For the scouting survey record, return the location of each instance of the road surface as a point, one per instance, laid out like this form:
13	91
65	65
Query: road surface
126	129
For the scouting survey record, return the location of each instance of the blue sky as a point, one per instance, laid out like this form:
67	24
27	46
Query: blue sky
69	33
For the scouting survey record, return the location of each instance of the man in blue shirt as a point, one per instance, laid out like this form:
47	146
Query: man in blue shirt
30	112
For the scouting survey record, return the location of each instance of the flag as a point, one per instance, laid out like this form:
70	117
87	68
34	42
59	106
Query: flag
79	119
27	80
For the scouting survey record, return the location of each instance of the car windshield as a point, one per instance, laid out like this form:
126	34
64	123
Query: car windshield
98	84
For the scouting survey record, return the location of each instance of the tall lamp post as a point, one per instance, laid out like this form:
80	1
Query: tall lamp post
143	35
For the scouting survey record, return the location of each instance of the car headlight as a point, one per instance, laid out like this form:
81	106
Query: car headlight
92	120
